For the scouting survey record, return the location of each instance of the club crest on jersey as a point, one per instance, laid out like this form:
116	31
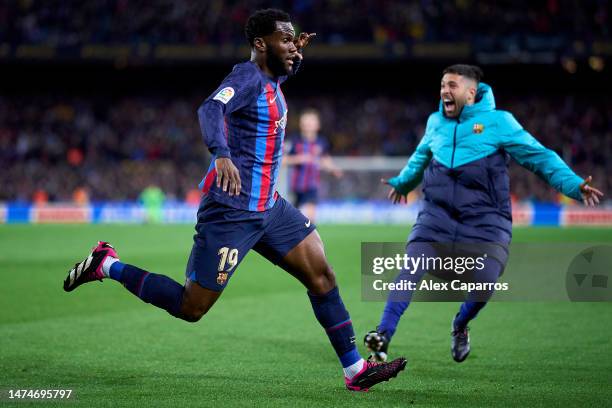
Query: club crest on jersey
281	123
225	95
222	278
478	128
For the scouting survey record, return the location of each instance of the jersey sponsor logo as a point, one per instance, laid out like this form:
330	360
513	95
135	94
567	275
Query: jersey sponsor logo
225	95
272	100
281	123
478	128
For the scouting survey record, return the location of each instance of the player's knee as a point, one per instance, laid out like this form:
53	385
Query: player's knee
193	315
194	311
325	281
197	301
330	276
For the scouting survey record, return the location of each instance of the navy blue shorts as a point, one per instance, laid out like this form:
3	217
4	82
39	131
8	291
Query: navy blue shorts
305	197
225	235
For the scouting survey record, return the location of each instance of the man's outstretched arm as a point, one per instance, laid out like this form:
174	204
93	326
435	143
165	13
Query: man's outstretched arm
547	164
412	174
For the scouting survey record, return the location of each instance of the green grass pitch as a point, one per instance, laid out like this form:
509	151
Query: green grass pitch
260	345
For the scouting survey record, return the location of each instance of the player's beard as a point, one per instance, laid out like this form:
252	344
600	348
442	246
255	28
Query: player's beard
276	64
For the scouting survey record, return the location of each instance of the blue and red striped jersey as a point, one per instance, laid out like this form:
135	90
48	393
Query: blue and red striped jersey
245	119
307	176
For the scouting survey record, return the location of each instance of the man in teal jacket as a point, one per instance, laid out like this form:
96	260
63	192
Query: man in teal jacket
462	161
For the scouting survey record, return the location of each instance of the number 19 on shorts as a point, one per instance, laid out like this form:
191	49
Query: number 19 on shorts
229	257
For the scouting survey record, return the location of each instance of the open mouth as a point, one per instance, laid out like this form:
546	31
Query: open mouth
449	104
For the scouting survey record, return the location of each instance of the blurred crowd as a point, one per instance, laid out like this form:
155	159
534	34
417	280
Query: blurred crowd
88	149
486	24
52	149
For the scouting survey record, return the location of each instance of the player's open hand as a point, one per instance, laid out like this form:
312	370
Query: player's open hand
590	195
394	195
228	176
303	40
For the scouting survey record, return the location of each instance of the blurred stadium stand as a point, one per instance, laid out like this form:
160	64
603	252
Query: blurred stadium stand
98	98
506	31
116	148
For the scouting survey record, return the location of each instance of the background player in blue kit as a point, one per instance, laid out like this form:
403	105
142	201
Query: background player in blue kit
463	163
308	154
243	124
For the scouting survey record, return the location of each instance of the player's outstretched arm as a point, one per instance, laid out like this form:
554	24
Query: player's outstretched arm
590	195
328	164
412	174
547	164
394	195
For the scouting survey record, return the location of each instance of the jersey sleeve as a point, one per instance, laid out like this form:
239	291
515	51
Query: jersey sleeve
235	92
532	155
412	174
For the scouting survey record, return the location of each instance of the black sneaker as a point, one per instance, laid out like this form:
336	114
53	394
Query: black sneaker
460	343
377	344
90	269
374	373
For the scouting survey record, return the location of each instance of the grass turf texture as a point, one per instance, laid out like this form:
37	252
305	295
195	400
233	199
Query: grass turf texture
260	345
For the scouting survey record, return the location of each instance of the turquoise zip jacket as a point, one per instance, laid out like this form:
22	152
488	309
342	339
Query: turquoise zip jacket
463	163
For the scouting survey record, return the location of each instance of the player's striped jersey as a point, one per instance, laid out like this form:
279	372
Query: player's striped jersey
245	119
307	176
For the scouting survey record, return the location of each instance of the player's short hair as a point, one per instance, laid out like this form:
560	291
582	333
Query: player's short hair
465	70
263	22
